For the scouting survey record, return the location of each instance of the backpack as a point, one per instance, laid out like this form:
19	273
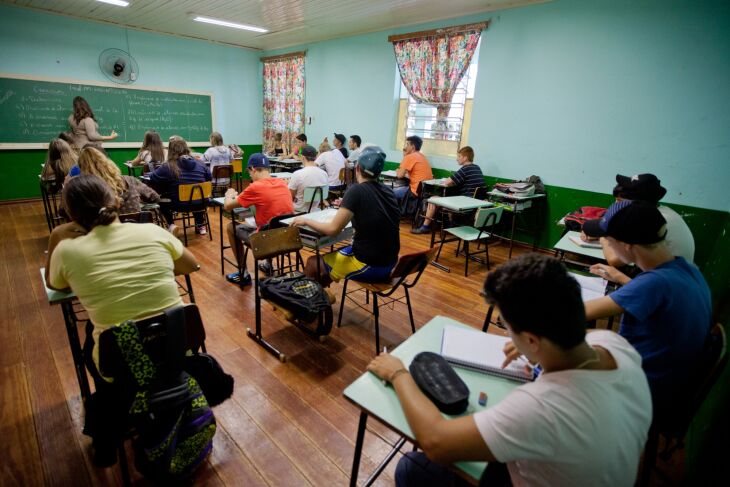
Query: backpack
574	221
528	187
173	422
236	151
303	297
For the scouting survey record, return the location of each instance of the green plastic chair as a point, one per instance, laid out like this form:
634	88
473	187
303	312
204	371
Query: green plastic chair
484	221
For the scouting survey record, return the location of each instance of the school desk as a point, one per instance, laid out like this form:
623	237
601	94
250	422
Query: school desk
565	244
517	205
281	175
220	202
132	170
381	402
453	204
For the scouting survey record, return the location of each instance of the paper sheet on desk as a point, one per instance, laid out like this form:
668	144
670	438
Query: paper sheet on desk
590	287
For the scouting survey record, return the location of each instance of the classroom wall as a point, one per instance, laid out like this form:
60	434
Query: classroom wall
573	90
40	44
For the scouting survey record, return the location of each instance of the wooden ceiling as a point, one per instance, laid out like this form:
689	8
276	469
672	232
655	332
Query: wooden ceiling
290	22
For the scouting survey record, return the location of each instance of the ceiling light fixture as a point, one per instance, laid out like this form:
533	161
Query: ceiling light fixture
118	3
225	23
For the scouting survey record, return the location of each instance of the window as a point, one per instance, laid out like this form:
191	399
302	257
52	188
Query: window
443	136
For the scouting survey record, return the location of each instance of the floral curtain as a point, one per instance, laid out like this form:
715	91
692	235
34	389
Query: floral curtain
283	99
432	67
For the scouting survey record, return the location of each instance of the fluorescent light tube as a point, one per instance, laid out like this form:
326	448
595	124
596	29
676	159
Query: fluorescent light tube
118	3
225	23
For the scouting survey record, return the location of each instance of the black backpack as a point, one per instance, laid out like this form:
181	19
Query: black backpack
303	297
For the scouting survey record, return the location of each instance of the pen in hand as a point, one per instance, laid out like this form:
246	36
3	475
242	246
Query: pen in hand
385	382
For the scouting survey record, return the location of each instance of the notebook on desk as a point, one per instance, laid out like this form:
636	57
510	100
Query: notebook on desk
591	287
479	351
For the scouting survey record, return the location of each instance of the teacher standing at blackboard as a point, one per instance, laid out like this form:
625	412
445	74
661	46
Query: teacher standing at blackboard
83	125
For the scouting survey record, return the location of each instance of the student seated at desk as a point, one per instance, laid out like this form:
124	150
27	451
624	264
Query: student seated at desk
468	178
299	142
118	271
583	421
374	212
275	147
130	191
217	155
415	165
309	176
180	168
152	153
331	161
647	188
59	161
269	195
667	309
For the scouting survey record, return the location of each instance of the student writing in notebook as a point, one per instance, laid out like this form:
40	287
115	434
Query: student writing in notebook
583	421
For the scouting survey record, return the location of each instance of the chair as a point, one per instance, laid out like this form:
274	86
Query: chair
265	245
310	195
222	175
193	201
339	190
481	193
184	326
673	427
484	221
408	265
237	165
410	205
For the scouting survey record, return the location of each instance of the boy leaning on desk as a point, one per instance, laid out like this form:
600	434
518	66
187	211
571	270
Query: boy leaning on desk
583	421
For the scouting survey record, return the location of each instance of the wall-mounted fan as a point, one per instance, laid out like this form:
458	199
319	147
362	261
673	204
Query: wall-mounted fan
119	66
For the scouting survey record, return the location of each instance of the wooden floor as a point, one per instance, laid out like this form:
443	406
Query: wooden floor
286	425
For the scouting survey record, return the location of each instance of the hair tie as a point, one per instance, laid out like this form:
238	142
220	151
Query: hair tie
102	209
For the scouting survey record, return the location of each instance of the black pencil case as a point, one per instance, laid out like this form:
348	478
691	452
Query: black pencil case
439	381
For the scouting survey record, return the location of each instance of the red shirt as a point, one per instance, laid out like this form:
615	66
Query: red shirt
271	197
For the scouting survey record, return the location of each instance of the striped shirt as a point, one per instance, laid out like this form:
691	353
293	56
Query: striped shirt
468	178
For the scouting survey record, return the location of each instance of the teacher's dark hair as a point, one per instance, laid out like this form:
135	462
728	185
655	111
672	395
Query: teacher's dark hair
82	109
89	201
535	293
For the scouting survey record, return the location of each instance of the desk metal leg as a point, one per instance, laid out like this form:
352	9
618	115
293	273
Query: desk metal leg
76	352
358	448
396	448
189	284
512	235
220	230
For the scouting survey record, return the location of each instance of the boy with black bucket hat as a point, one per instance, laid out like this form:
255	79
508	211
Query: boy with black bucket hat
667	309
373	210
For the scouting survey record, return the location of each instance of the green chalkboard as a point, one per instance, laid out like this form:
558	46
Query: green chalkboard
33	111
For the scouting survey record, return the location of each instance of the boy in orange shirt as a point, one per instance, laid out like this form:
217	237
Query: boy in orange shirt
415	164
270	196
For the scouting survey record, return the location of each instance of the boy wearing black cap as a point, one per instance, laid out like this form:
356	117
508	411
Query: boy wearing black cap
339	143
373	210
648	188
667	310
270	196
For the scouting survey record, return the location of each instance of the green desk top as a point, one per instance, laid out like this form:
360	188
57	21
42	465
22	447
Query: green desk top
369	393
55	297
513	197
566	245
459	203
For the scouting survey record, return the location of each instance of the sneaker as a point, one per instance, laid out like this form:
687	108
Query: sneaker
420	230
235	278
266	268
201	230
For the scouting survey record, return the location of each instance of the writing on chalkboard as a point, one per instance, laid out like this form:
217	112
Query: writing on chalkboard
35	111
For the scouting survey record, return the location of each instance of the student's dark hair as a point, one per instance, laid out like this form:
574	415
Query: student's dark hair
89	201
301	137
82	109
216	139
536	294
356	139
176	148
416	141
153	143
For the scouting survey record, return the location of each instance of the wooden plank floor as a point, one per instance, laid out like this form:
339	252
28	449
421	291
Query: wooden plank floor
286	425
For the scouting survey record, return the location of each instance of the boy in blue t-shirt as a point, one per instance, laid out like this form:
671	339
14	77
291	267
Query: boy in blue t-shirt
667	310
467	179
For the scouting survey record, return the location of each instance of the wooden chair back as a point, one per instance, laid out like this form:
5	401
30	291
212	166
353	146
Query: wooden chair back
194	192
223	171
341	175
412	264
268	244
237	165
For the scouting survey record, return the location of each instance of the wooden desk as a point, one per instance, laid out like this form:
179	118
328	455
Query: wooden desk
375	399
454	204
517	205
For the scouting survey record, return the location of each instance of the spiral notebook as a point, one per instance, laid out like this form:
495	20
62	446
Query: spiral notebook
473	349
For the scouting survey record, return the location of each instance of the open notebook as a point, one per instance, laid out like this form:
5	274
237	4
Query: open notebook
591	287
479	351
